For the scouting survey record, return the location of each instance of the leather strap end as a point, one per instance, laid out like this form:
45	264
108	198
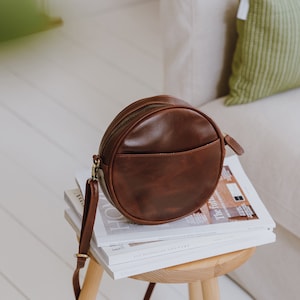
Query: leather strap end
88	219
81	261
233	144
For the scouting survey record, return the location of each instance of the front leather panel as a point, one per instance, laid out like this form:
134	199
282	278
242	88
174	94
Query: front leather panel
157	187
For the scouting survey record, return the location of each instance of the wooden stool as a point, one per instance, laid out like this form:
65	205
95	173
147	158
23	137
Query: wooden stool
200	275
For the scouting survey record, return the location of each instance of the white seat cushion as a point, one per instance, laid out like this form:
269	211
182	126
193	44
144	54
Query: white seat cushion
269	130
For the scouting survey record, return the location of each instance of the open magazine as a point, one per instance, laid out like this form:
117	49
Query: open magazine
234	207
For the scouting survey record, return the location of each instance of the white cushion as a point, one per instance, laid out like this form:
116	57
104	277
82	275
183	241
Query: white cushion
199	40
269	130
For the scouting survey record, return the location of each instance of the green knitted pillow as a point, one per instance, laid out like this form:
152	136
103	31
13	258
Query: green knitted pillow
267	56
20	17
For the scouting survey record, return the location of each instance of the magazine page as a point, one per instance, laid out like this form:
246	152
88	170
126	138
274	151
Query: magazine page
234	206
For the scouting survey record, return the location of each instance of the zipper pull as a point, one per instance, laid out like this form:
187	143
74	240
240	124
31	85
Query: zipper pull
95	167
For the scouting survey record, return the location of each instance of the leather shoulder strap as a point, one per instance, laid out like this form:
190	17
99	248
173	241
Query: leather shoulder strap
89	213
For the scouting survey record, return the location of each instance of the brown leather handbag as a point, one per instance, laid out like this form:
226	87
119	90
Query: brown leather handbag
159	160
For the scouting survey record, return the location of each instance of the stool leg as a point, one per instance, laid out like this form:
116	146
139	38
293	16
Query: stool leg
195	290
210	289
91	281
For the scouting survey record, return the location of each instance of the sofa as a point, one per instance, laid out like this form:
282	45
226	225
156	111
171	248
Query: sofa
205	48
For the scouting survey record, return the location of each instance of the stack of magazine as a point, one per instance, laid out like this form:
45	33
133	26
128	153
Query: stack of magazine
234	218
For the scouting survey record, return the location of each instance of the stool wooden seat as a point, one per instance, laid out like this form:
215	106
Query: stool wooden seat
201	275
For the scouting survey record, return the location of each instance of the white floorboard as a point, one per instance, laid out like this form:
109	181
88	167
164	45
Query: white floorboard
59	91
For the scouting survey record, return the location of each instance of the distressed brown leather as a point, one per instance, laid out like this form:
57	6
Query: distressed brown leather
161	159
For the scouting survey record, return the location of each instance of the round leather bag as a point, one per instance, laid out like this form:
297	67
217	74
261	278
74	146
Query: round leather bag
161	160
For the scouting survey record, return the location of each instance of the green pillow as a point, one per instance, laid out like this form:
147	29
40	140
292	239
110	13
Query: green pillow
267	56
20	17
